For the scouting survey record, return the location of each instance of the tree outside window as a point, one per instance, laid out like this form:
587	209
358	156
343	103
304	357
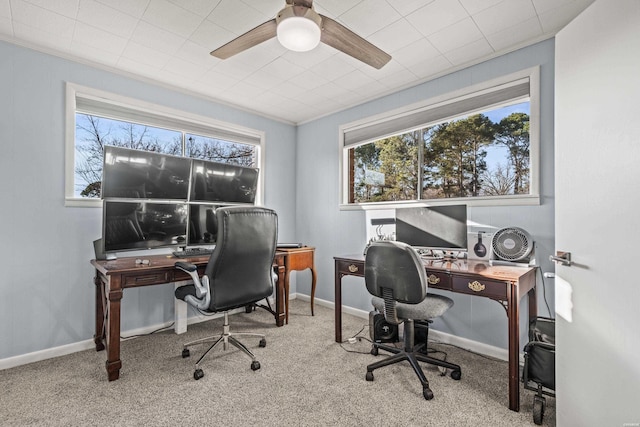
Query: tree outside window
478	155
93	133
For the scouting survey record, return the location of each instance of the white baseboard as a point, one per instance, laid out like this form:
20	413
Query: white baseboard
36	356
63	350
443	337
49	353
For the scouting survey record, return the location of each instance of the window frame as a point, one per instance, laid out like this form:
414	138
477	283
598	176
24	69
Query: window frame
117	107
431	104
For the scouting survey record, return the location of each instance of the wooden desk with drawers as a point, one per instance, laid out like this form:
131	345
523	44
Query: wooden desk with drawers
113	277
504	284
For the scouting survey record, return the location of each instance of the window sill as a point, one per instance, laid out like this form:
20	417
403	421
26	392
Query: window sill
516	200
77	202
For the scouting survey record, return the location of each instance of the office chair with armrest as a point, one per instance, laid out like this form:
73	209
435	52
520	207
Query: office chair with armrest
395	276
239	273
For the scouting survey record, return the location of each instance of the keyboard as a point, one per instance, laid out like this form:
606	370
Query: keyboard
193	253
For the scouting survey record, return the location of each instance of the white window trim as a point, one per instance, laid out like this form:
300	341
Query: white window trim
533	198
196	122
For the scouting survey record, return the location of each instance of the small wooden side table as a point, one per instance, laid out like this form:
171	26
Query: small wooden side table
298	259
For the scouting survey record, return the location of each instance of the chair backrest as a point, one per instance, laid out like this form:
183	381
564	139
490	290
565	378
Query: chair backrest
395	270
241	265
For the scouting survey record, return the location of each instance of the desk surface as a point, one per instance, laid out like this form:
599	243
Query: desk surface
464	267
128	264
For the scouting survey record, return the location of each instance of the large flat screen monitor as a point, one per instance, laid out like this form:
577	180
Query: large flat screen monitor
438	227
203	226
143	225
222	182
137	174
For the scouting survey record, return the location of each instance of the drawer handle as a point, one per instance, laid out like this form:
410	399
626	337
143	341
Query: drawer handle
433	279
144	279
476	286
353	268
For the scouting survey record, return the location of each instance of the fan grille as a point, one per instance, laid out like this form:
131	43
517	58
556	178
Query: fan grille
512	244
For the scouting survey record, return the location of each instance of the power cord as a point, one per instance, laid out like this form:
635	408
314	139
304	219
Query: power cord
544	293
354	339
357	338
164	328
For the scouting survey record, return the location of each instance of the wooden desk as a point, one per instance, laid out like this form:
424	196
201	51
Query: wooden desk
507	285
112	277
298	259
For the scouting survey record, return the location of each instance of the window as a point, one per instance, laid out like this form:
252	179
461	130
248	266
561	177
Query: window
480	145
96	119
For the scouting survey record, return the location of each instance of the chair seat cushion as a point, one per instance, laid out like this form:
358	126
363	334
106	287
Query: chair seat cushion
432	306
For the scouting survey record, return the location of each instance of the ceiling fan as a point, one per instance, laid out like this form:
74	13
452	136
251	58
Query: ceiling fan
300	28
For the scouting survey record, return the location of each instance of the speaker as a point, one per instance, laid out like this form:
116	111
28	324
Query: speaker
98	249
380	330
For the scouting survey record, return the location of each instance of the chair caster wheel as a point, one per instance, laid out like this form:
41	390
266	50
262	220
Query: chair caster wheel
374	350
197	374
255	365
456	375
185	353
369	376
427	393
538	409
263	342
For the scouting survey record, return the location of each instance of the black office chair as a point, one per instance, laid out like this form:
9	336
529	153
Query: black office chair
239	273
395	275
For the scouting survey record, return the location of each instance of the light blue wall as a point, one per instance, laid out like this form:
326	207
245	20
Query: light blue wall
47	293
46	288
322	224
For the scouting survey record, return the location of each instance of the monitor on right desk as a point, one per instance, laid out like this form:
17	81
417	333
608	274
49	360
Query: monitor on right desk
442	228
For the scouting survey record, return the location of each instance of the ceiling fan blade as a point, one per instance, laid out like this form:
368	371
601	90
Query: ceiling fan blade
340	37
259	34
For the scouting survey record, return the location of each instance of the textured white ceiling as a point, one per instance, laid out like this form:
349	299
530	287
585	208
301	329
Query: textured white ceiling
169	41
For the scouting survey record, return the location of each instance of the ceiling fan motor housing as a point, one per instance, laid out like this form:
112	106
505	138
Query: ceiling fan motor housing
512	244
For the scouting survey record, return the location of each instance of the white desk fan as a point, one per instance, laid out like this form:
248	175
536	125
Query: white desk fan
513	246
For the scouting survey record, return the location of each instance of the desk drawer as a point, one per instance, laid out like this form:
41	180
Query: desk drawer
480	286
438	279
352	268
151	278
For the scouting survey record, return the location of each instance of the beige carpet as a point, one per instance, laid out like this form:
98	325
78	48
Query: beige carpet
306	379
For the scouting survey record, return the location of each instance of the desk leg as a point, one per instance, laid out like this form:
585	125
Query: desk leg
533	304
98	338
280	294
180	312
287	273
338	303
113	363
514	347
314	278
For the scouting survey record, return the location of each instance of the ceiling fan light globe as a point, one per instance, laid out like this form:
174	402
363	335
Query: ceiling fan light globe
298	33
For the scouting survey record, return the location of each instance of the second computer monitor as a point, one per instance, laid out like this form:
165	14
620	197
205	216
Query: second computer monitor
436	227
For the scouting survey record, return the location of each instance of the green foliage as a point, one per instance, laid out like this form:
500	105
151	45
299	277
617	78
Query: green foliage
445	160
513	133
